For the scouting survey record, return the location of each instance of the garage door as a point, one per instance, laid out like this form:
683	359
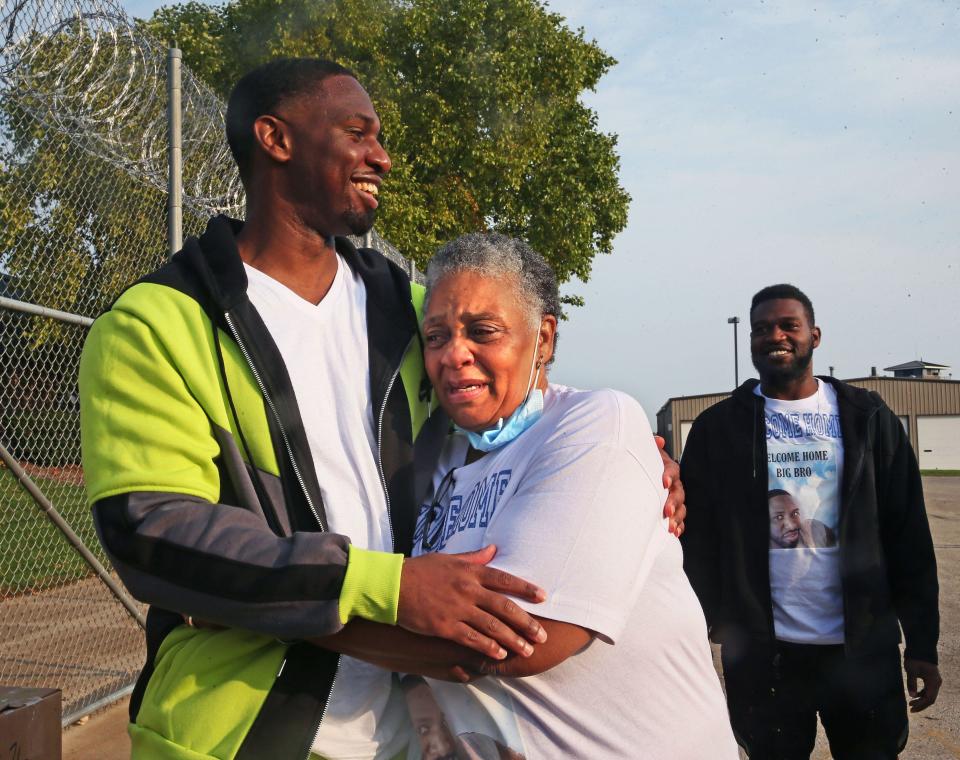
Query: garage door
938	442
685	426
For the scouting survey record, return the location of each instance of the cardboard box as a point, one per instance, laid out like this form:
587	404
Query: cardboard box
29	724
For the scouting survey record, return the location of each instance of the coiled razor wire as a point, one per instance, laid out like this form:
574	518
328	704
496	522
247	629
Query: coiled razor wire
83	183
83	68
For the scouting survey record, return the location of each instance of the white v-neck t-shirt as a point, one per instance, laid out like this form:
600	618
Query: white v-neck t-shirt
324	348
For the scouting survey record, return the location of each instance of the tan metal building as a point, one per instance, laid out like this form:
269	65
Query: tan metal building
928	408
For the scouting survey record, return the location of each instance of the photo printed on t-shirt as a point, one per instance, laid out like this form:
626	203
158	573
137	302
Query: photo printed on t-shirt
803	492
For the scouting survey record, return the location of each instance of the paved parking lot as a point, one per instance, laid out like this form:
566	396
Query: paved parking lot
934	734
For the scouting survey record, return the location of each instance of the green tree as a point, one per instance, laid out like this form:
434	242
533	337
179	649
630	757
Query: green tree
480	101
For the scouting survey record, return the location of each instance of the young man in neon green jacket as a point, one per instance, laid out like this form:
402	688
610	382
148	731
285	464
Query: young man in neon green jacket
203	477
215	499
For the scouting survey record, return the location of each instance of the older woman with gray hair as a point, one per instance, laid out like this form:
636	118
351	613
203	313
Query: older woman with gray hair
567	485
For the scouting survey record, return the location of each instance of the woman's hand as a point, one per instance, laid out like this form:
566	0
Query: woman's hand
393	648
673	509
563	640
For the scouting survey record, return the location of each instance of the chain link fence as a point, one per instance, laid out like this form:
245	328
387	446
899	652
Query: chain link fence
83	196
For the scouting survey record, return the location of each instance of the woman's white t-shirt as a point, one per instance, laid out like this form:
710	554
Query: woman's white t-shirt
575	504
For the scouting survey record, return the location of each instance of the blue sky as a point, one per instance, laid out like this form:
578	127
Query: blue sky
817	144
762	142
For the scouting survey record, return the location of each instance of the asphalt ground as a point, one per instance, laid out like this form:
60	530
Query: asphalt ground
934	733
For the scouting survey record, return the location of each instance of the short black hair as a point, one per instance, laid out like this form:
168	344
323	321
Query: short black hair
410	682
261	90
773	292
778	492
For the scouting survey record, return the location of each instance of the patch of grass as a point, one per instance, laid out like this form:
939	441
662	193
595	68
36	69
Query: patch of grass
34	555
941	473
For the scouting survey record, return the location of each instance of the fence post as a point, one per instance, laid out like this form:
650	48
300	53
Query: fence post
72	538
42	311
174	153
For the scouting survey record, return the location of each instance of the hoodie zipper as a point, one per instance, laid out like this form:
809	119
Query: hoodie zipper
276	416
846	487
759	412
386	493
306	494
326	704
383	477
296	470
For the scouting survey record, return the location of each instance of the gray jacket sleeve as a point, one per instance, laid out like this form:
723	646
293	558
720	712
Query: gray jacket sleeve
222	564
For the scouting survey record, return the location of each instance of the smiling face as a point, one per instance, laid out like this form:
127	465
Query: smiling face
784	522
334	158
479	348
782	341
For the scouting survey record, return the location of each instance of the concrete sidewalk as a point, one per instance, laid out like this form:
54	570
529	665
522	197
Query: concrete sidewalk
103	736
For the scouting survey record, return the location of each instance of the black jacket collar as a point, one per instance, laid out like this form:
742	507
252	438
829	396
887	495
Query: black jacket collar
391	328
216	261
846	394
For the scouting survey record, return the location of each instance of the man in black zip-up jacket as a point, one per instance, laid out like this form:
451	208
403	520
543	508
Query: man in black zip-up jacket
807	627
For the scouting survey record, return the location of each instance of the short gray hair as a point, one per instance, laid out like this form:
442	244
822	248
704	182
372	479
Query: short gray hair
491	254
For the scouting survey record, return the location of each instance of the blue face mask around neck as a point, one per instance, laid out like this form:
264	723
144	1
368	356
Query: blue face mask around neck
522	418
525	415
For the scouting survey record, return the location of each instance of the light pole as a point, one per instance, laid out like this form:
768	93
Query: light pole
736	366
